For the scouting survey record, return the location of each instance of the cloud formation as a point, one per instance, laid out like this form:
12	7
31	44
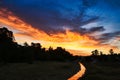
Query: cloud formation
105	37
57	23
52	16
69	40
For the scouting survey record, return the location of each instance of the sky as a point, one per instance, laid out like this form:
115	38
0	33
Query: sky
79	26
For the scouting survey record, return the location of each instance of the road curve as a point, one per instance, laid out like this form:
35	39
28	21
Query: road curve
78	74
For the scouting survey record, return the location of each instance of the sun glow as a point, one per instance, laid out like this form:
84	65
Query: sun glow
72	41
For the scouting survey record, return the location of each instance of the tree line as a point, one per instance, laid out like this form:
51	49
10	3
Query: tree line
99	56
11	51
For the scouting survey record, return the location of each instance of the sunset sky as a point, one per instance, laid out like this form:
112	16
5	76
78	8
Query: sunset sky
79	26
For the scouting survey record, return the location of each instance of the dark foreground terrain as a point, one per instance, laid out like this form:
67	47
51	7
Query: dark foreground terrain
38	71
102	71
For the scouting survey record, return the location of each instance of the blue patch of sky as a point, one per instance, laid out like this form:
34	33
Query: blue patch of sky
108	13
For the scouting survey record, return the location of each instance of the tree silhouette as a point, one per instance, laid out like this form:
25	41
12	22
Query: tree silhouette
111	51
7	44
6	35
95	52
11	51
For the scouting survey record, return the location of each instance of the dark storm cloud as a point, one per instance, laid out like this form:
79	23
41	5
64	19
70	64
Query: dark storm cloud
97	29
108	36
90	30
52	15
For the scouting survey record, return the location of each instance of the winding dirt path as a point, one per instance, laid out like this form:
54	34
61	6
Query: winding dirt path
78	74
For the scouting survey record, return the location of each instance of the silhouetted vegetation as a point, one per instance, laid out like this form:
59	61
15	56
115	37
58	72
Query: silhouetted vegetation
99	56
11	51
102	66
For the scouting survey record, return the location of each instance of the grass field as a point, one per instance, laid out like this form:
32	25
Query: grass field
58	71
102	71
38	71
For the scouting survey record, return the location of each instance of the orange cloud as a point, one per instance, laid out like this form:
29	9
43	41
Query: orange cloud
72	41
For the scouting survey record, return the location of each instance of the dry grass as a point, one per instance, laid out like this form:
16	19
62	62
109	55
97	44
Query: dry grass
38	71
102	71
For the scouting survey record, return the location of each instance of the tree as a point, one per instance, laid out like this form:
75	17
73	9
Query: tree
111	51
95	52
26	44
6	35
101	53
7	44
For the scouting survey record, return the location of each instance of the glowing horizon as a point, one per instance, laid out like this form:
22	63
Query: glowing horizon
74	42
